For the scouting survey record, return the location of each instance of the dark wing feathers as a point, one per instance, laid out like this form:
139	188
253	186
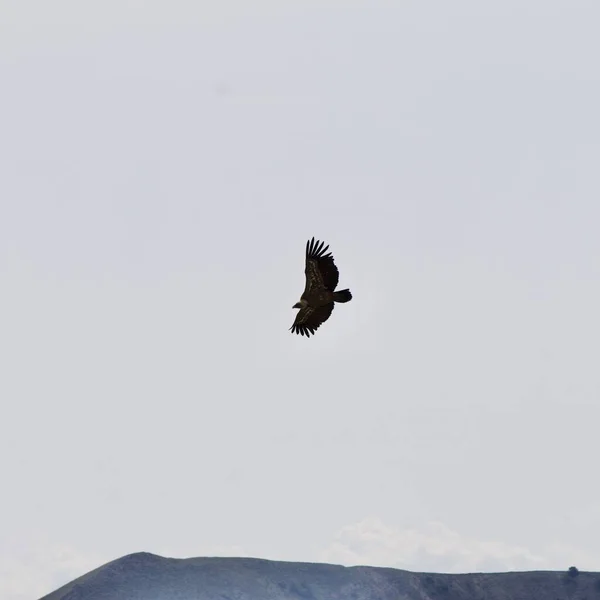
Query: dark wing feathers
320	269
309	319
315	249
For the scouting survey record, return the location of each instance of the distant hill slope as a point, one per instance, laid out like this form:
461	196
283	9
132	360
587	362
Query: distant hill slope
144	576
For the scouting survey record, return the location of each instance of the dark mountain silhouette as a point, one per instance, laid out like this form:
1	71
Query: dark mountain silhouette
144	576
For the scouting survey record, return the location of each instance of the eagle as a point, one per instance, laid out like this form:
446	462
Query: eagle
319	296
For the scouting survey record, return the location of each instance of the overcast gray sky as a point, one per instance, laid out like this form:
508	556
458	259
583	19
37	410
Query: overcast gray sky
164	163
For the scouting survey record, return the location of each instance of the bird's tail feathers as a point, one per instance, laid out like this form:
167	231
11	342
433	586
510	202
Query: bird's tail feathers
342	296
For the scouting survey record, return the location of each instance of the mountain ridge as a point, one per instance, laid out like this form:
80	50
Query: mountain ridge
147	576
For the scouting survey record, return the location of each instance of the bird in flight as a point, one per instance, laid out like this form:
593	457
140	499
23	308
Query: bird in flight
319	296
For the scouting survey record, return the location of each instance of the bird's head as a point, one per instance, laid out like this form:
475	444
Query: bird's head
300	304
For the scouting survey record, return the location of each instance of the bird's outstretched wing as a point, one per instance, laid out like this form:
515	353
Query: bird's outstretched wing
320	270
309	319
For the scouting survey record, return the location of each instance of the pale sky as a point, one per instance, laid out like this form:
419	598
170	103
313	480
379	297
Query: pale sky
164	163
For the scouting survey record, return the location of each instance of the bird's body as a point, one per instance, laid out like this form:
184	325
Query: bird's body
319	296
